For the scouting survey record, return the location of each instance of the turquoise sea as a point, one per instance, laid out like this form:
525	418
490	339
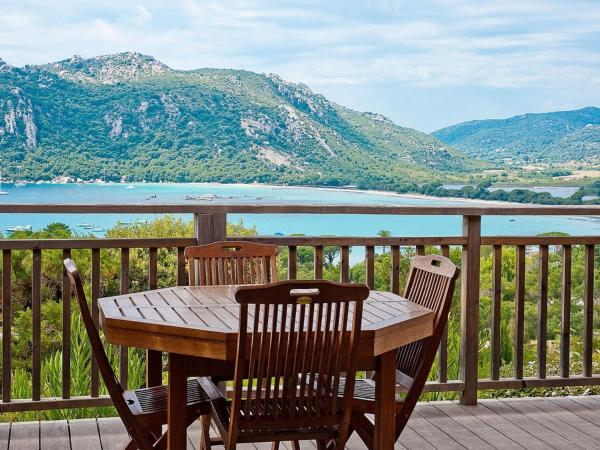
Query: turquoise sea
276	223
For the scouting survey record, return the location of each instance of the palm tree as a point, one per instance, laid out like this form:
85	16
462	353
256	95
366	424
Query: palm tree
384	233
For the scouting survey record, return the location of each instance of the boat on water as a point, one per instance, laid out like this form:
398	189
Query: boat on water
98	230
20	184
19	228
131	186
87	226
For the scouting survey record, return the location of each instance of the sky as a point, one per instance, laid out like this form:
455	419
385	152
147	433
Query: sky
424	64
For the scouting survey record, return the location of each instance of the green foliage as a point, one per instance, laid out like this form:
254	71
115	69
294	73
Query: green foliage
552	137
129	116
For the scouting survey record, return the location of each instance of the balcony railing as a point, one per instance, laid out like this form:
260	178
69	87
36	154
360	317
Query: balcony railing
210	225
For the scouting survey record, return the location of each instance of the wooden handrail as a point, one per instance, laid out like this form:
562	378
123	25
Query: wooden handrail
214	208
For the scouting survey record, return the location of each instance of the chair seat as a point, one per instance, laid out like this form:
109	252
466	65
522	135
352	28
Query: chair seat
153	401
364	395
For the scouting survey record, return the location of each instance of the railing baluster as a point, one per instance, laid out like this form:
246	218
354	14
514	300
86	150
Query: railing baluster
496	311
36	306
152	268
95	291
318	262
395	275
292	262
6	325
345	268
542	312
66	330
588	311
565	323
443	348
469	308
519	311
153	358
370	266
123	351
181	281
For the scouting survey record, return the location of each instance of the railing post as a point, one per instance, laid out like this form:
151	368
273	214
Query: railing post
210	227
469	309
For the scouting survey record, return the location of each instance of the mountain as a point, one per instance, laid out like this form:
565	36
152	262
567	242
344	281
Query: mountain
556	137
131	116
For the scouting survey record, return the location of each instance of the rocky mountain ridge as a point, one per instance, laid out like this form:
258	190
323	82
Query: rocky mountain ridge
129	115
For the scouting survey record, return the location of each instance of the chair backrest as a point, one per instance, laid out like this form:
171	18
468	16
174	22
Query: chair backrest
115	390
296	339
232	262
431	281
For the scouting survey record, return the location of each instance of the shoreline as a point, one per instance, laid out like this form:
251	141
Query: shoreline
353	190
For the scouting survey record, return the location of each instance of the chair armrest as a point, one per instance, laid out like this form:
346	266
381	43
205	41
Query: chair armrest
404	380
210	388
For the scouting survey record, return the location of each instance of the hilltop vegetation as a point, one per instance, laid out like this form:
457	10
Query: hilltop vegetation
549	137
130	116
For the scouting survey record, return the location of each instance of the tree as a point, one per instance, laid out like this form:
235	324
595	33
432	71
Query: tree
384	234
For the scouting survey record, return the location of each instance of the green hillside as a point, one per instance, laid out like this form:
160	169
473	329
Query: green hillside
130	116
551	137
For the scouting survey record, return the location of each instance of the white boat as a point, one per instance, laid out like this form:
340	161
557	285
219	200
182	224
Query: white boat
98	230
19	228
131	186
85	225
20	184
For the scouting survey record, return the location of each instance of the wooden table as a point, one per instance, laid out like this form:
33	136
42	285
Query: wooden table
198	328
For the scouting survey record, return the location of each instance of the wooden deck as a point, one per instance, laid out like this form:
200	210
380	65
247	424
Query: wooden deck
559	423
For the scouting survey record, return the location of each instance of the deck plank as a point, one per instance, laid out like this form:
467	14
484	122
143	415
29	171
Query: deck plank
581	411
24	435
505	427
112	433
557	411
85	434
529	425
452	428
432	434
558	426
532	423
477	426
54	435
4	435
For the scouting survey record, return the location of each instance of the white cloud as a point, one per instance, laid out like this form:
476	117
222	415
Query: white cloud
510	43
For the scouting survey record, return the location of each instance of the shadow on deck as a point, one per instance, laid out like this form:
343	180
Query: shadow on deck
564	422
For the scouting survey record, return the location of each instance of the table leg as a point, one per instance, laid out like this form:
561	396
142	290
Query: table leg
176	426
385	401
154	376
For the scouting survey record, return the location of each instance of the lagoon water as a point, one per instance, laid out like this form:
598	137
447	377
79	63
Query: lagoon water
365	225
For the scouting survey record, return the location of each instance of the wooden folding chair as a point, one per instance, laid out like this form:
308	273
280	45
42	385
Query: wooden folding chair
430	283
142	410
232	262
296	338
